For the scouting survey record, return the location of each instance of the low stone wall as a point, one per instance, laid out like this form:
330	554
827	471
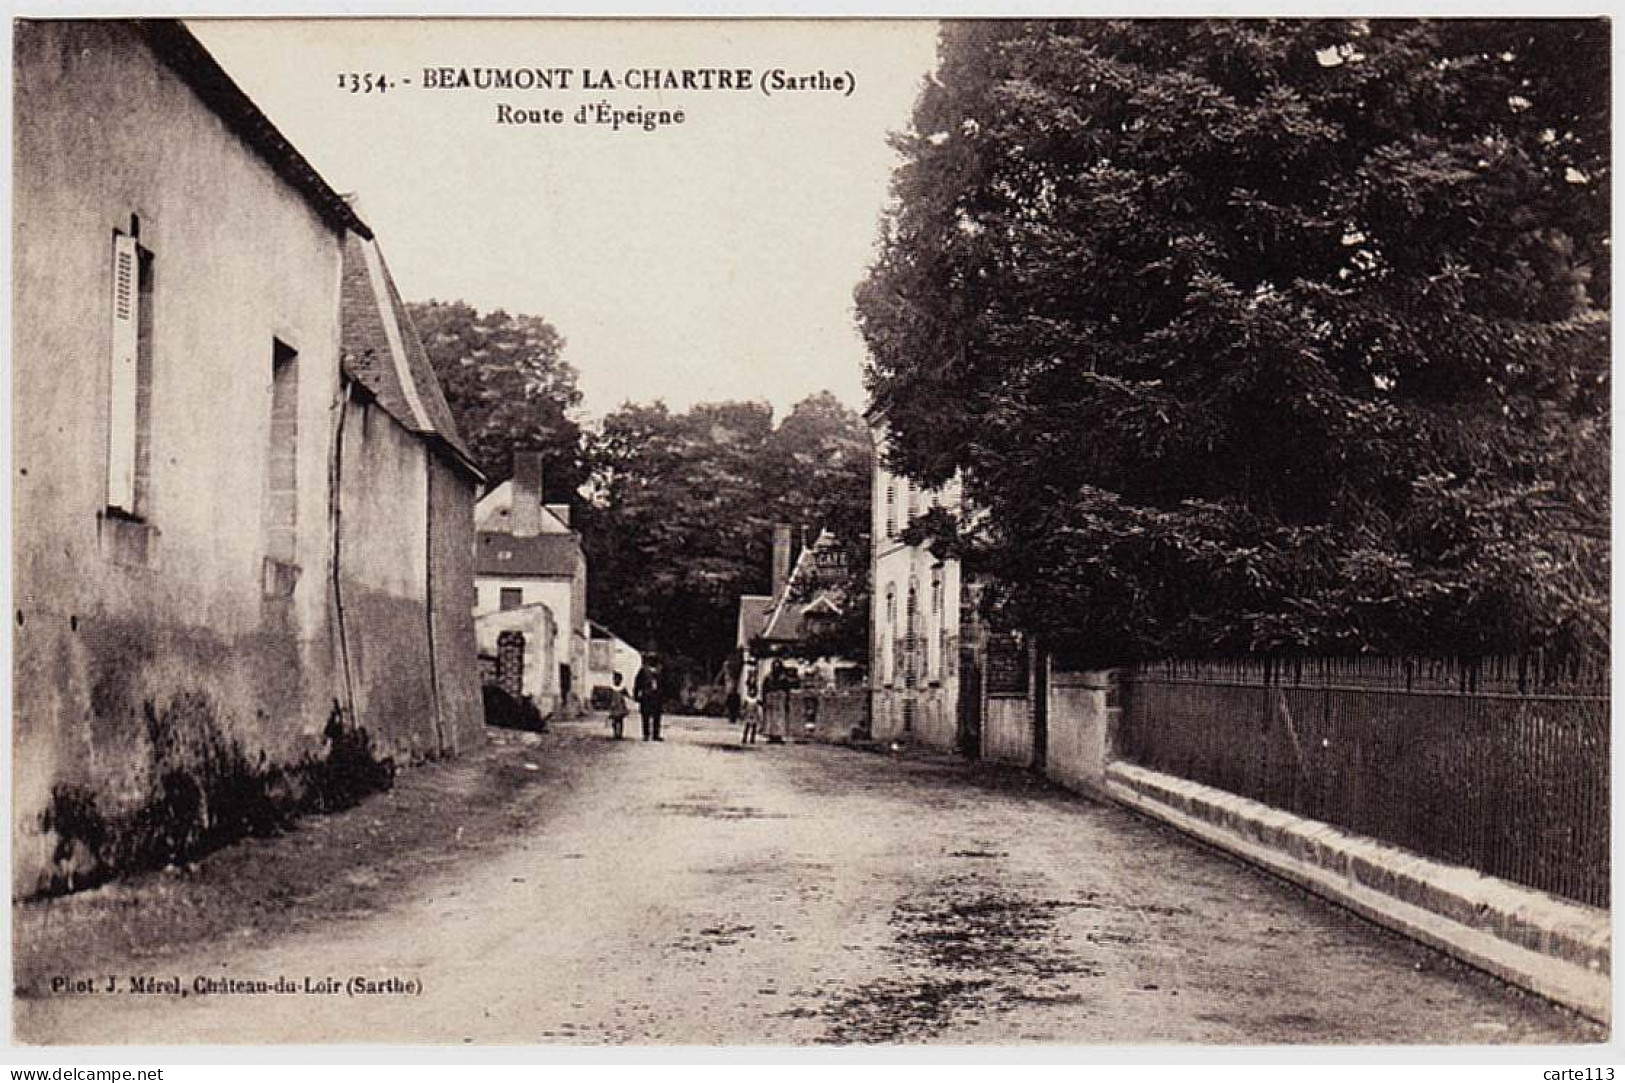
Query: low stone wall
1558	949
834	717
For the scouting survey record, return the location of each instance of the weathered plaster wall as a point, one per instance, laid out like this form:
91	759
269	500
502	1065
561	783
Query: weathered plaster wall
1081	715
115	621
451	602
625	660
383	580
541	677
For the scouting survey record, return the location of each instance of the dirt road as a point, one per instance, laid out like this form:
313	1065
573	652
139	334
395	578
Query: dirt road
695	892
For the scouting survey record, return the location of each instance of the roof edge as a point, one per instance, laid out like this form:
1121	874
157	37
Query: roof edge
188	58
454	455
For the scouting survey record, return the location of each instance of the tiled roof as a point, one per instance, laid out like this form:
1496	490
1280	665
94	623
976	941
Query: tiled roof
787	624
786	619
543	554
382	350
754	609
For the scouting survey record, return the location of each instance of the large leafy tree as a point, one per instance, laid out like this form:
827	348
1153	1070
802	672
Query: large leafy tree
683	505
816	470
1262	335
508	385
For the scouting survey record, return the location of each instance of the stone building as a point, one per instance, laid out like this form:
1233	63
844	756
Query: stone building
222	531
914	665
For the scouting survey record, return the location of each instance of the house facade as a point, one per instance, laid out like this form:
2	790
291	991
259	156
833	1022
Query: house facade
806	605
526	554
222	534
914	641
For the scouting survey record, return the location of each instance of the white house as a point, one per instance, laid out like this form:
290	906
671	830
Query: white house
526	554
914	614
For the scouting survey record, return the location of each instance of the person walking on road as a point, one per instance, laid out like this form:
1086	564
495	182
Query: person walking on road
618	708
646	689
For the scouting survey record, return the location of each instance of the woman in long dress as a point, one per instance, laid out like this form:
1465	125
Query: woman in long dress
776	704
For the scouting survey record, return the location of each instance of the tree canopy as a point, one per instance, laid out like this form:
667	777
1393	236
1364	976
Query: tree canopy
507	383
1262	335
682	510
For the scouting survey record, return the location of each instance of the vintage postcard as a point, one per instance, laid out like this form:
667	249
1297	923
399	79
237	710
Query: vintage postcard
806	532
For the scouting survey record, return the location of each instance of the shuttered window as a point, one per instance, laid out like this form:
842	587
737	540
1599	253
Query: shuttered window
129	385
122	413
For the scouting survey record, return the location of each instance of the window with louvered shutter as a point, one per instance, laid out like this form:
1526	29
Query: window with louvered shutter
123	417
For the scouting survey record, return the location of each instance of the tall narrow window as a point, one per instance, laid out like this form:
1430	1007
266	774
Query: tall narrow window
888	635
129	431
282	475
934	662
891	511
911	639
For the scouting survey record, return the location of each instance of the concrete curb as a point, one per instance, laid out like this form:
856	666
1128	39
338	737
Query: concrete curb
1558	949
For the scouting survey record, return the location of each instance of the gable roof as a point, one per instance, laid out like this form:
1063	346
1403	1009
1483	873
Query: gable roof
754	610
787	624
786	619
551	555
383	353
494	511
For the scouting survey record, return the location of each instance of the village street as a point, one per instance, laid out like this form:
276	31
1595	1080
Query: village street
696	892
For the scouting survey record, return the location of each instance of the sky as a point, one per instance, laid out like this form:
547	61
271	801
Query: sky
698	262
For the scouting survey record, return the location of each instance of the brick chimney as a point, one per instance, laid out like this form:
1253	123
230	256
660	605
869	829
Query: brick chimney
525	517
781	557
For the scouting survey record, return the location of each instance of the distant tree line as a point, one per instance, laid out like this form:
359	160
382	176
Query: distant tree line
676	509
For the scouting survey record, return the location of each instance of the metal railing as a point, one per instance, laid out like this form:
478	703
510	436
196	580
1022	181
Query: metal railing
1498	765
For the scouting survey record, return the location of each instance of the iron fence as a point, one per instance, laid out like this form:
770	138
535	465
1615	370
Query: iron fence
1499	765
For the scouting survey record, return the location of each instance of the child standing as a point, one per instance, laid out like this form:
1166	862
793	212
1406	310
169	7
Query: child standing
619	708
751	712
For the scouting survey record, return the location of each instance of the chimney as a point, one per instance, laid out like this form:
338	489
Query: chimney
525	518
561	512
781	557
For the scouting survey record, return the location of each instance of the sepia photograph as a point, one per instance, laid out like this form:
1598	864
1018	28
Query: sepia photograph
811	532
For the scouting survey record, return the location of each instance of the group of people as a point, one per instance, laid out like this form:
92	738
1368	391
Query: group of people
764	712
646	690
